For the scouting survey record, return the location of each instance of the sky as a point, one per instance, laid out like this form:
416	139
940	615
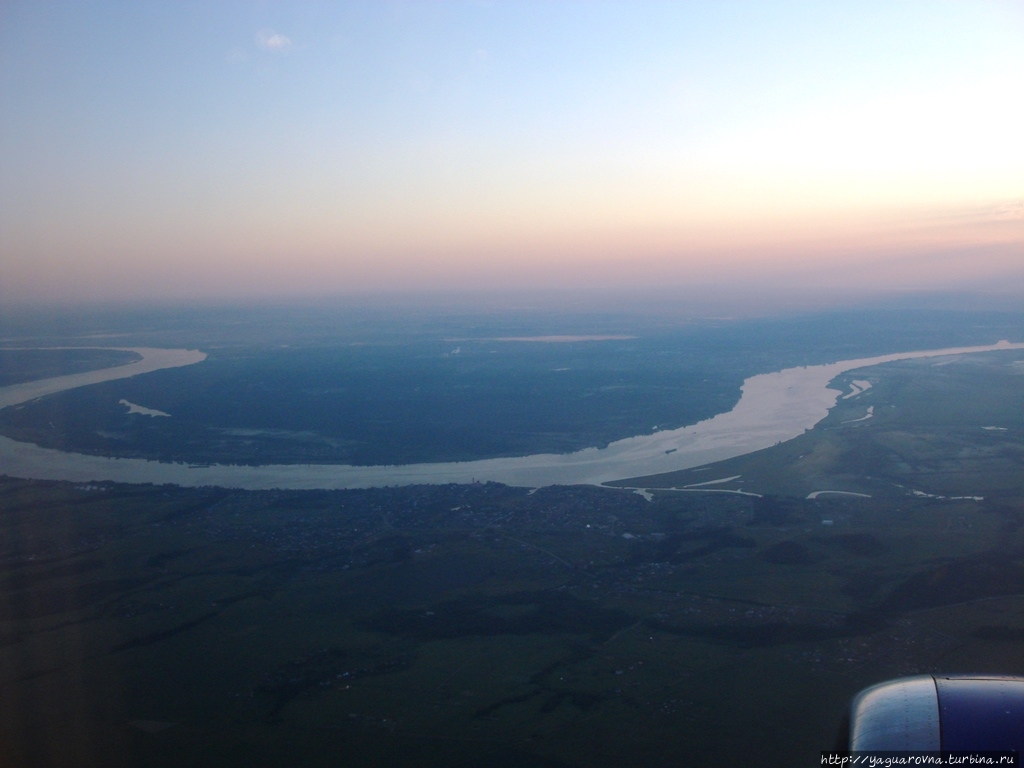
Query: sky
161	151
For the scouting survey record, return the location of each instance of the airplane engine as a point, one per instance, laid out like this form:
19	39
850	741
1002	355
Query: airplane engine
932	713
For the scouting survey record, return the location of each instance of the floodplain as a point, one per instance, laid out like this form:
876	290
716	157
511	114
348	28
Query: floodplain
482	624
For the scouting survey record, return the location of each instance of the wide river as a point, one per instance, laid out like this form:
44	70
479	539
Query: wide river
774	407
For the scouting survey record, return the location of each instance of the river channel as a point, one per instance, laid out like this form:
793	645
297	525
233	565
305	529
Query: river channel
773	407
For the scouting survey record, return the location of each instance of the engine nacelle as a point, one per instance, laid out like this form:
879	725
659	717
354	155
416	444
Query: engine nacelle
933	713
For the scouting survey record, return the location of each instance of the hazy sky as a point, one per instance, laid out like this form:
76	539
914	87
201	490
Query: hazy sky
203	149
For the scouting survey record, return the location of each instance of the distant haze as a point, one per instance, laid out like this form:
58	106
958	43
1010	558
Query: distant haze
167	151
